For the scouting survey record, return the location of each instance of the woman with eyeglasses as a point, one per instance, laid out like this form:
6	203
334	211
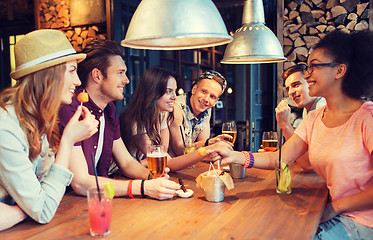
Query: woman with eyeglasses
338	136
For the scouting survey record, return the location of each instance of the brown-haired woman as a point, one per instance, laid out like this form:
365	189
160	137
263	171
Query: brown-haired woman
32	177
146	117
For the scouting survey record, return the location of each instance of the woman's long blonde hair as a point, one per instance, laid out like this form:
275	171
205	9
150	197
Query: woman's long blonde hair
36	99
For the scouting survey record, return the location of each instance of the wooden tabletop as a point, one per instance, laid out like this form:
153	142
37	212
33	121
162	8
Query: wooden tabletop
252	210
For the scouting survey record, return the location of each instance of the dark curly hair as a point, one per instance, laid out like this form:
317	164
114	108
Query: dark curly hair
356	51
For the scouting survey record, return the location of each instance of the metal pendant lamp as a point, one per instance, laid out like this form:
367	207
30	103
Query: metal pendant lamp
253	42
176	24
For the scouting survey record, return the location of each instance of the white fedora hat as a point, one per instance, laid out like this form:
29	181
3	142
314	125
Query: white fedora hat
41	49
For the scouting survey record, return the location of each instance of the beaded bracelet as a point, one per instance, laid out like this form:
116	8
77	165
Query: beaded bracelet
130	189
142	189
249	159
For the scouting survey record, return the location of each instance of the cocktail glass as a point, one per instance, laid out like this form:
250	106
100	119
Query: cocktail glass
284	173
99	209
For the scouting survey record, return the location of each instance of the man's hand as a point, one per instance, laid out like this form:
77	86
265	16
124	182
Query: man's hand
221	137
161	188
283	113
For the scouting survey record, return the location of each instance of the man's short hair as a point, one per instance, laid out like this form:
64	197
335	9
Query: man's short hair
293	69
214	75
98	53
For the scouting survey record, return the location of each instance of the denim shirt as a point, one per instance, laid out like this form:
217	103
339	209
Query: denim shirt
193	125
37	186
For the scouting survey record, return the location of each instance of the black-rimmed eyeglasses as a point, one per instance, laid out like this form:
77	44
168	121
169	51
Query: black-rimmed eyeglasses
309	68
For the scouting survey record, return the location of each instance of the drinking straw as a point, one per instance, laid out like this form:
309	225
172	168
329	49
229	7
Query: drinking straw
160	122
280	144
182	135
212	166
95	170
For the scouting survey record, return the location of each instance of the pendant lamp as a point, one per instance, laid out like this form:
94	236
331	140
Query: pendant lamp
253	42
176	24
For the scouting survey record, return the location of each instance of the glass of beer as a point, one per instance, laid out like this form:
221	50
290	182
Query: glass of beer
269	141
230	129
156	158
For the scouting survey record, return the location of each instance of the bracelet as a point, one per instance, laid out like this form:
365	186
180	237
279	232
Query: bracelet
207	142
249	159
149	176
142	189
130	189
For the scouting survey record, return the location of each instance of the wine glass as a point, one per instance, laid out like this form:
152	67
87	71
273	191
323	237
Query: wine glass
269	141
156	158
230	129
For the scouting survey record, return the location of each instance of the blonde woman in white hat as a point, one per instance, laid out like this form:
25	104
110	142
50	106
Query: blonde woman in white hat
32	178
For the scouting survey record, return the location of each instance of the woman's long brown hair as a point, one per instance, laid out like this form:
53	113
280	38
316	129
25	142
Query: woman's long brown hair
36	99
142	108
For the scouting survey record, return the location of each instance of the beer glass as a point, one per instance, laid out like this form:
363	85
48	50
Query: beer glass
230	129
269	141
157	160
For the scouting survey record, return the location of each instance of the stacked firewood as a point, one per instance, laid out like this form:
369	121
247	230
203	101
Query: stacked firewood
56	14
81	36
306	21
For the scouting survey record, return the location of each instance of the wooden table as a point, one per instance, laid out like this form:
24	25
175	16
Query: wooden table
252	210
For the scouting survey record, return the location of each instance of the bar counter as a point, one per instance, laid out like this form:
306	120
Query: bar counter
252	210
